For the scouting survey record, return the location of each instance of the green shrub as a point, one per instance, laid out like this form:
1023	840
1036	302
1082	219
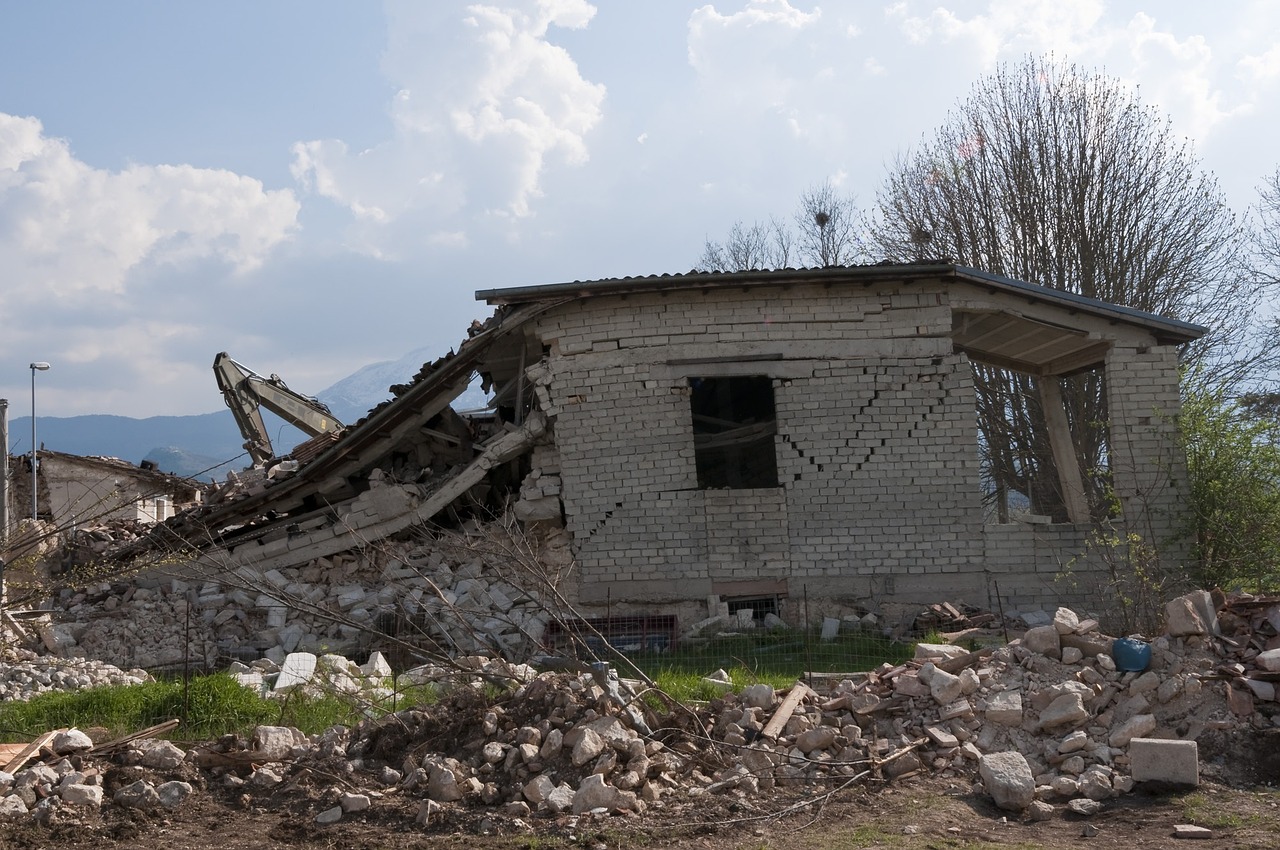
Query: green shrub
1233	473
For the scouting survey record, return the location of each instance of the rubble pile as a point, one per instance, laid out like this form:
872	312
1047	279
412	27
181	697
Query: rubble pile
1048	720
25	674
413	591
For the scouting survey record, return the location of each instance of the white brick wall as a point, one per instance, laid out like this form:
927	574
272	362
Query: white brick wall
879	495
877	456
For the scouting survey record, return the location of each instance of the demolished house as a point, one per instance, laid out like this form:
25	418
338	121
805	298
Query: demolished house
687	443
79	489
756	439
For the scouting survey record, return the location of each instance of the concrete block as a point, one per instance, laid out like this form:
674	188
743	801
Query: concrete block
1171	762
297	669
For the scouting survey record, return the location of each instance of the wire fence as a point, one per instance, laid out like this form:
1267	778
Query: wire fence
651	646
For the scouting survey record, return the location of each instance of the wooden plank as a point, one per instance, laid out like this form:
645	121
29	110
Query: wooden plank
955	665
149	732
15	627
30	751
1064	453
780	717
8	751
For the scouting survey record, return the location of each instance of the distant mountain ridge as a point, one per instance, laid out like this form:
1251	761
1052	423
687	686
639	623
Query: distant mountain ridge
208	445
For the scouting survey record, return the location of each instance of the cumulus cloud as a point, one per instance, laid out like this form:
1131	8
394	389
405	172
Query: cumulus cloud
1033	26
479	116
751	54
1263	66
67	228
1182	72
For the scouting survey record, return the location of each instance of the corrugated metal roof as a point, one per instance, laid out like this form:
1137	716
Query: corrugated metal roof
1169	330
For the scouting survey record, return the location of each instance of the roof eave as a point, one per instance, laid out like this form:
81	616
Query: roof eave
1168	331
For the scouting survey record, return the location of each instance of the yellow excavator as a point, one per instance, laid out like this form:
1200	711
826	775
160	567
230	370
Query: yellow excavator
245	391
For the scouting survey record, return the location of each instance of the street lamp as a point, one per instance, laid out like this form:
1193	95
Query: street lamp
35	367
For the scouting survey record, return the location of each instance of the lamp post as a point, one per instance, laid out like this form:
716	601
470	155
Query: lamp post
35	367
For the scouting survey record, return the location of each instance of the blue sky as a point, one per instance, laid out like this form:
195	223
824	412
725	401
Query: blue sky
314	186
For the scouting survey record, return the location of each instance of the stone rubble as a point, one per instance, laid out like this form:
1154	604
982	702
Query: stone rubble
438	594
25	674
1037	729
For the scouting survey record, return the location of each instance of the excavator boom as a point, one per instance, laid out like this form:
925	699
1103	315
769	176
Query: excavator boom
245	391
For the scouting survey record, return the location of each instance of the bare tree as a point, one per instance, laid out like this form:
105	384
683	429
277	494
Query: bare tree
760	246
1266	261
1061	177
830	228
828	231
1262	401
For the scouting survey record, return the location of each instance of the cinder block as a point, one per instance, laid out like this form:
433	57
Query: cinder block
1171	762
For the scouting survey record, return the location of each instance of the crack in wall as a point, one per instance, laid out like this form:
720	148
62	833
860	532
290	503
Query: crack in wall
866	418
596	527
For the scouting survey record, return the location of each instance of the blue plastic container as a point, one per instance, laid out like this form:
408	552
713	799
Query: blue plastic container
1131	655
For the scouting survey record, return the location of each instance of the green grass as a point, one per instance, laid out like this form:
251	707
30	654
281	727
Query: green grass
212	706
778	658
1217	811
216	705
1200	810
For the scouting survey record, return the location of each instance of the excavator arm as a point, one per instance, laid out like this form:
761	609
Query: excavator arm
245	391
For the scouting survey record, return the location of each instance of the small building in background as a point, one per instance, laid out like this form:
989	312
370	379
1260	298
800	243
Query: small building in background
77	491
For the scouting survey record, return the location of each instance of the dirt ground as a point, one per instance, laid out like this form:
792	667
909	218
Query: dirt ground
912	814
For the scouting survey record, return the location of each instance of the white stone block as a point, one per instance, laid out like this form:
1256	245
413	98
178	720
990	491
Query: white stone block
376	667
297	669
1156	760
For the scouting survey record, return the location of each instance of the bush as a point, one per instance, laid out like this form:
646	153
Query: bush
1233	473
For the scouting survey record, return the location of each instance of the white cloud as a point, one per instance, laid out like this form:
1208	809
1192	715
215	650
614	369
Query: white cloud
486	104
67	228
449	238
1004	26
1182	57
751	54
1181	72
1263	66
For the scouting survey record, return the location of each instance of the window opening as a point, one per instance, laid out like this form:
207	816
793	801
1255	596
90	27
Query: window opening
734	424
759	606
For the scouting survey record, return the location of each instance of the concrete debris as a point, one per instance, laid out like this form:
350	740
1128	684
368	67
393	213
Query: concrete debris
25	674
437	594
1043	730
1007	778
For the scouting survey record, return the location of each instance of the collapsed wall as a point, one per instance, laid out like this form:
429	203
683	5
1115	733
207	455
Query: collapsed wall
486	588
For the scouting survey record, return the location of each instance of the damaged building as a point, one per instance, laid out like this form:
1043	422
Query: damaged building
794	442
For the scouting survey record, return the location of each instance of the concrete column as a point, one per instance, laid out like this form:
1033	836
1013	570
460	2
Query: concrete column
1070	481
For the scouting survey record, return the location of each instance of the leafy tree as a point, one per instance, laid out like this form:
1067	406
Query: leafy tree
1061	177
827	230
1233	472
